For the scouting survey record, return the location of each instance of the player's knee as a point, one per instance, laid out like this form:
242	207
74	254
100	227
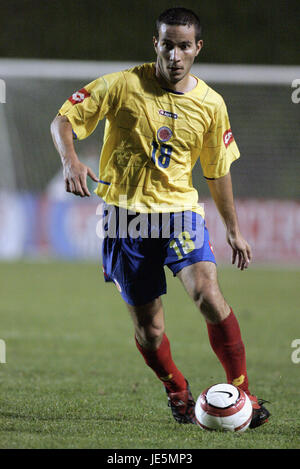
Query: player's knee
203	292
150	336
149	323
209	300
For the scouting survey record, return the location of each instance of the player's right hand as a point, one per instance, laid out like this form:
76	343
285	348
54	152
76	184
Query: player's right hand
75	176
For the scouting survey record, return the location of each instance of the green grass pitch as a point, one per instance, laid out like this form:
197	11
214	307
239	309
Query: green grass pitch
74	379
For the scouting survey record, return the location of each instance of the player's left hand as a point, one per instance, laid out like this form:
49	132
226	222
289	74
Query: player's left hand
241	250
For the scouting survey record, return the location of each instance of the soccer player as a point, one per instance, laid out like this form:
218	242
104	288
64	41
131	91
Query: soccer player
159	120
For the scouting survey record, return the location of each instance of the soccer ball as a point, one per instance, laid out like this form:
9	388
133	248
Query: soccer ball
223	407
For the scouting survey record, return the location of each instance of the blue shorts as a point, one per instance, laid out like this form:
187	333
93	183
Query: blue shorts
136	247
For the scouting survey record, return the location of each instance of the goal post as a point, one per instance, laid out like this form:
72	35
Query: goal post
89	70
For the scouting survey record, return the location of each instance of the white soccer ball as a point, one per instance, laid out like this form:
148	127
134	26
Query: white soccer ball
223	407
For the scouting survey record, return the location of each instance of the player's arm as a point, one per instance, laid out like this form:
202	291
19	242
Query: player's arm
75	173
222	194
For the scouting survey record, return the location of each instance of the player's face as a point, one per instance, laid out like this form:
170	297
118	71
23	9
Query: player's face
176	49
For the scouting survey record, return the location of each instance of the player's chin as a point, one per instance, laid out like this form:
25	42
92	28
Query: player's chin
176	77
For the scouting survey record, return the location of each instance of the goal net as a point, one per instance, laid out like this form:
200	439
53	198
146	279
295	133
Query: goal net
264	115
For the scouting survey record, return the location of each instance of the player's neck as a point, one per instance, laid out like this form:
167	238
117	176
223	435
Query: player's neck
188	83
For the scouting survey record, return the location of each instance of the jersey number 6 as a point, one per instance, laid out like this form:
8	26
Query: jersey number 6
163	159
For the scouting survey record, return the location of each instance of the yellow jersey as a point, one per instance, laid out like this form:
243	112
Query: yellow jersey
153	138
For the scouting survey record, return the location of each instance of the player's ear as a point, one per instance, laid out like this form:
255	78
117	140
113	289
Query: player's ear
155	42
199	45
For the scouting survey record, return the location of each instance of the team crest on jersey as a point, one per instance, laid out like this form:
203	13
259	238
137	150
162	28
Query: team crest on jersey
79	96
164	134
228	137
168	114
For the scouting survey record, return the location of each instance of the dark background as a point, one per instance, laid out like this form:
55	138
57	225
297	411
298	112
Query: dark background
253	32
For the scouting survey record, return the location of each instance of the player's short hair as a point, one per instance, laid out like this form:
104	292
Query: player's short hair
181	17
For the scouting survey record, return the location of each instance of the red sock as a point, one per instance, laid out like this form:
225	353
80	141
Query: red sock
226	341
161	362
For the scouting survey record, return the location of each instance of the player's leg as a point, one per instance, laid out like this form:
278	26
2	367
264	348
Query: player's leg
152	342
149	323
135	265
196	268
194	263
201	283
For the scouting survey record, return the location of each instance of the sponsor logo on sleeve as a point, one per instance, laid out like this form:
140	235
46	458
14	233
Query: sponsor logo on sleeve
228	137
79	96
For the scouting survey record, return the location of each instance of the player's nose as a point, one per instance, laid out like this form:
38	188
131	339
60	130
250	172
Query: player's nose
174	55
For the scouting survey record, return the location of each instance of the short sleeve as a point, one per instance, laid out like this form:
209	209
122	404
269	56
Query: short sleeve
219	148
88	105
